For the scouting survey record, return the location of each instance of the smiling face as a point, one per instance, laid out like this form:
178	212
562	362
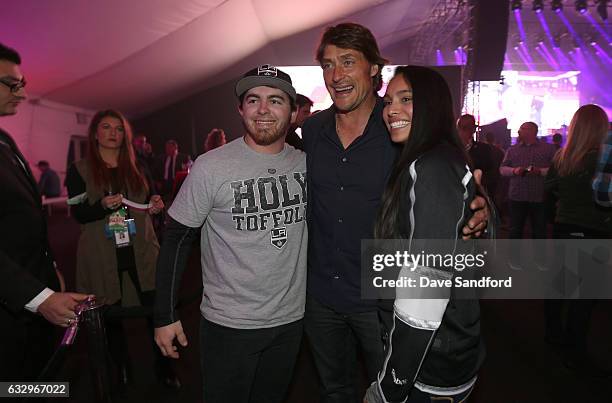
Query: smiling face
9	101
266	115
110	133
397	113
348	77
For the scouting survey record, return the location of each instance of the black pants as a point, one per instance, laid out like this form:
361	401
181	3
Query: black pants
333	338
567	321
521	211
248	365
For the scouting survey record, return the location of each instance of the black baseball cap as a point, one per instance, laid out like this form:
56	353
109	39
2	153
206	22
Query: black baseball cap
268	76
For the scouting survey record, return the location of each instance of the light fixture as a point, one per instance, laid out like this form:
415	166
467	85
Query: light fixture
557	6
516	5
538	6
581	6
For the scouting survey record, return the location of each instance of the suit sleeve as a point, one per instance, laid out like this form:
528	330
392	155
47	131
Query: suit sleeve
18	286
439	194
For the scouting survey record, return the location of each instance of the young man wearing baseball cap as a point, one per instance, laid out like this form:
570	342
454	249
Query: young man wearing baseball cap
249	198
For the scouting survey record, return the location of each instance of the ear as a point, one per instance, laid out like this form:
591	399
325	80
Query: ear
374	70
240	110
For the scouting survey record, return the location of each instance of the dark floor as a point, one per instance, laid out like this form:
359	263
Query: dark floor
520	367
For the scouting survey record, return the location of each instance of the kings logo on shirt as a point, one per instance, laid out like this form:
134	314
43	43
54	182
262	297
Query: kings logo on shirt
270	204
278	237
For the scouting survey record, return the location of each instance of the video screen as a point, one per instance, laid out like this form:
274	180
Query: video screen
547	98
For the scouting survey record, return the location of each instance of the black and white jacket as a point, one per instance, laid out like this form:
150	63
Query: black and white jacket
433	344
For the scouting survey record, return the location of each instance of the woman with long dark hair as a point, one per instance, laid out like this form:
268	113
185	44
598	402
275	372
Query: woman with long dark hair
117	249
434	347
577	216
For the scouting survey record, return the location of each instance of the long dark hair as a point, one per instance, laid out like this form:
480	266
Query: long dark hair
433	123
128	173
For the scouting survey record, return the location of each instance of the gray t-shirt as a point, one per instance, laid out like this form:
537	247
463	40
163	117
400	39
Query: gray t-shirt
254	236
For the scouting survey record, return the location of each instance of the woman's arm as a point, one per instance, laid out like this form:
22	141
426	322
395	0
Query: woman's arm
83	212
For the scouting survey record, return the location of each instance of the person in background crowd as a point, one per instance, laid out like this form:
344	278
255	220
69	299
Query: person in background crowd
49	181
602	181
482	155
557	140
32	296
249	199
431	178
577	217
117	249
168	165
304	105
144	152
526	164
214	139
351	140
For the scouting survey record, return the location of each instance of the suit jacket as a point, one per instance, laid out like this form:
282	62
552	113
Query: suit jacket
26	267
166	187
26	264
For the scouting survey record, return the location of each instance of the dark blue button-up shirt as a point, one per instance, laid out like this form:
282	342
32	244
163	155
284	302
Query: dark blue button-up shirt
344	189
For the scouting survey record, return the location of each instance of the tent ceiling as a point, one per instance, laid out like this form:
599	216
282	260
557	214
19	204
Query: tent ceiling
140	55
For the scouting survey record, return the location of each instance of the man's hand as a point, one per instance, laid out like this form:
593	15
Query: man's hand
535	171
481	215
164	336
59	307
519	171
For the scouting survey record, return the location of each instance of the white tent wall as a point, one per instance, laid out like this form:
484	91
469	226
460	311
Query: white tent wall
42	130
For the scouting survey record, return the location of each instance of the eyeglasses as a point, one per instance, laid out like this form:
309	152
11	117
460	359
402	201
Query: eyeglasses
15	86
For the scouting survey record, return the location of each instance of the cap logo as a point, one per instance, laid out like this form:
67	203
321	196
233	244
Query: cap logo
267	70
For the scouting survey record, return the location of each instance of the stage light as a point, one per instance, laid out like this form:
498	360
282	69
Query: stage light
581	6
557	6
602	9
538	6
516	5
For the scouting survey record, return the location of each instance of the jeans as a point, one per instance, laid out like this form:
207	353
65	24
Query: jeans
248	365
333	337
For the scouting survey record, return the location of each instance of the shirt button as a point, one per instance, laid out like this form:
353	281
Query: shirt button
340	220
341	188
344	159
337	249
336	277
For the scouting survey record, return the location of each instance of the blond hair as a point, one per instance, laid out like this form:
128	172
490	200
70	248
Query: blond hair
586	133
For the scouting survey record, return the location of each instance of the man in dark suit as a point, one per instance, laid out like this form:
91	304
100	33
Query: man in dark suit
171	163
27	274
484	156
